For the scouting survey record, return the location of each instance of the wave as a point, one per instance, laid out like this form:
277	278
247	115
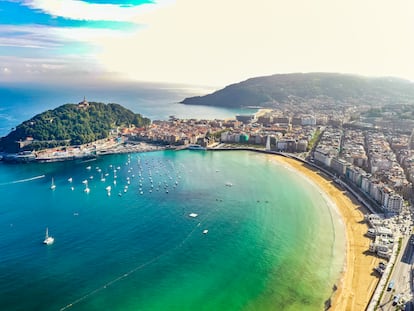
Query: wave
23	180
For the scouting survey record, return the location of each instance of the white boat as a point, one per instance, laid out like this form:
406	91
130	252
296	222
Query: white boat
195	147
194	215
53	186
205	231
70	179
48	239
87	190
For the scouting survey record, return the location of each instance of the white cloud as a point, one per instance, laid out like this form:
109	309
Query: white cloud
87	35
54	71
28	37
47	36
80	10
218	42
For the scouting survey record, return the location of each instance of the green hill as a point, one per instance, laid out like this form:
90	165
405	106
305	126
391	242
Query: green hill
282	88
71	124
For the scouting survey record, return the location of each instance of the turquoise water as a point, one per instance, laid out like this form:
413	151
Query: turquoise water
273	241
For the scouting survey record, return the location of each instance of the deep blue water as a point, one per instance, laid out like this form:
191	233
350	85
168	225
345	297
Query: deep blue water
157	102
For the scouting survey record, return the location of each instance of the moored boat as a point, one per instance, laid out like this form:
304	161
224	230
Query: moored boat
195	147
48	239
53	186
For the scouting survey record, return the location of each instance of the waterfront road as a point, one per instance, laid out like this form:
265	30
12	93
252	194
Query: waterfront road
401	277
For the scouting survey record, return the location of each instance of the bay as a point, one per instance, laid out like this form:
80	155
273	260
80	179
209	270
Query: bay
274	240
157	102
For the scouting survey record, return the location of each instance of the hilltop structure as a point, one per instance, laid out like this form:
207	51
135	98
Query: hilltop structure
83	104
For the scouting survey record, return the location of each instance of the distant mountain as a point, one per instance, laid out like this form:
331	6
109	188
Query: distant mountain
70	124
282	88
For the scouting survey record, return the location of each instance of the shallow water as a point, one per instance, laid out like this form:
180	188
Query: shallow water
273	241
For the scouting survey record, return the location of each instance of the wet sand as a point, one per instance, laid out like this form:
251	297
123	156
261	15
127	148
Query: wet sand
358	280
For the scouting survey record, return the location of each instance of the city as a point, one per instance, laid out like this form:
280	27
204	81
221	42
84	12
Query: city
372	157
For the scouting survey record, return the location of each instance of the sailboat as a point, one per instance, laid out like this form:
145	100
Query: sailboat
53	186
48	239
86	186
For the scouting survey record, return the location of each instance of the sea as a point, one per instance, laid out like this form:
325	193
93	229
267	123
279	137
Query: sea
165	230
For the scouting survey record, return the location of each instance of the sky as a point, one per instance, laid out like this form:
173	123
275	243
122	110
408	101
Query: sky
202	42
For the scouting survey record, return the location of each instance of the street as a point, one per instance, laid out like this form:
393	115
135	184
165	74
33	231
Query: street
401	278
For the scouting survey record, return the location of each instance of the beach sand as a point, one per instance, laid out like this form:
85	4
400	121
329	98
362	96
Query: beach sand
358	281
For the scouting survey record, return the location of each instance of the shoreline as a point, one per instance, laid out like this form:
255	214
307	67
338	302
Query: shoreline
356	283
52	155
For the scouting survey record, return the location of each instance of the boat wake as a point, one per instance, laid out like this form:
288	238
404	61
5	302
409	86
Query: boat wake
22	180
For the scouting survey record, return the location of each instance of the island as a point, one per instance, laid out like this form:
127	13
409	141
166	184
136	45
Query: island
69	128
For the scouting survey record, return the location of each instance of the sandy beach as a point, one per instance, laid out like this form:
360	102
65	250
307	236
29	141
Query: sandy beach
358	281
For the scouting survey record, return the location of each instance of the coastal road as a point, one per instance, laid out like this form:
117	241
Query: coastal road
401	276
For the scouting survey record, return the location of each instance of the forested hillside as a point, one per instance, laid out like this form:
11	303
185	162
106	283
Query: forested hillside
282	88
71	124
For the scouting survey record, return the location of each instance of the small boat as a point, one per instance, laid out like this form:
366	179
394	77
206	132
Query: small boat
53	186
194	215
70	179
205	231
87	190
195	147
48	239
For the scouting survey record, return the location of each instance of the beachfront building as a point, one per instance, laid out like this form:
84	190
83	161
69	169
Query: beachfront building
383	242
323	157
381	231
382	246
374	220
394	203
339	166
